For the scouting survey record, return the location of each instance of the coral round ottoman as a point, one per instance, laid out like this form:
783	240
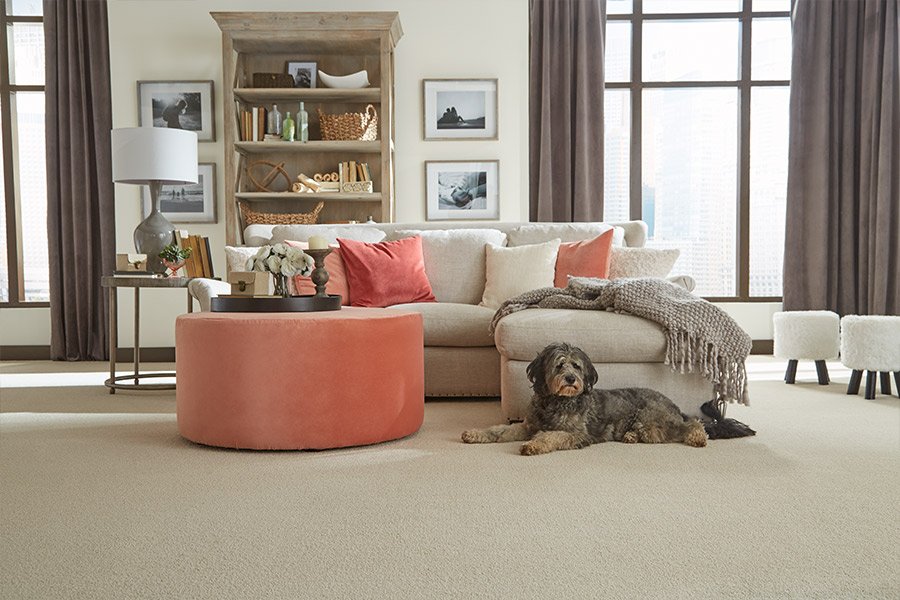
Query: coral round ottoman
806	334
871	343
315	380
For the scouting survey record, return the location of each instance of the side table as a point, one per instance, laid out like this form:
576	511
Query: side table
113	283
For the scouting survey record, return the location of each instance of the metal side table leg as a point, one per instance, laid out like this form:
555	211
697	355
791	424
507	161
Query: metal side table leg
113	335
137	333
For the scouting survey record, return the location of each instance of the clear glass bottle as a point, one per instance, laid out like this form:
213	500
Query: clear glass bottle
287	128
274	125
302	124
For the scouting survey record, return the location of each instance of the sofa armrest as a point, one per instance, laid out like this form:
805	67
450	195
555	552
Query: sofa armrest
685	281
205	290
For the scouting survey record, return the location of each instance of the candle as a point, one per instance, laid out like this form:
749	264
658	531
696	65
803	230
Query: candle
317	242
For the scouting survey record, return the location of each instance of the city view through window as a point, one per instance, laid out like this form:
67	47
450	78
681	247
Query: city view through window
690	85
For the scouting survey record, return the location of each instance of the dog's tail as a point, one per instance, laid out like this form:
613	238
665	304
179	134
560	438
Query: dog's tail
720	428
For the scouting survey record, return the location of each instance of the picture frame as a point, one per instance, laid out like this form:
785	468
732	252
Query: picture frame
460	190
189	203
185	105
304	73
460	109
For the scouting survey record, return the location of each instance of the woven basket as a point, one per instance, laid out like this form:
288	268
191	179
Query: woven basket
252	217
361	126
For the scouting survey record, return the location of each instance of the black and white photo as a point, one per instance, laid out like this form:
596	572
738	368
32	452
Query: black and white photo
462	190
304	74
178	105
188	203
460	109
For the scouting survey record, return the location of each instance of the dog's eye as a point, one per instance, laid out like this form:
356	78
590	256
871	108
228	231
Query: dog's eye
577	366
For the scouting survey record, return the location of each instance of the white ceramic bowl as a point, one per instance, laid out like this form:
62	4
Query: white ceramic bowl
352	81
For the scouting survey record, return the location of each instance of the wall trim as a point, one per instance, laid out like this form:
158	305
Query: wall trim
123	355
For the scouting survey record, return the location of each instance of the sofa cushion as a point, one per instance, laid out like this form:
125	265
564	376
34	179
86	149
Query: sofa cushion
453	324
605	336
513	271
454	261
537	233
642	262
587	258
385	273
301	233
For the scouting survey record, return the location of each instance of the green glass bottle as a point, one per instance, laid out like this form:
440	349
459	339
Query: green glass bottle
287	128
302	124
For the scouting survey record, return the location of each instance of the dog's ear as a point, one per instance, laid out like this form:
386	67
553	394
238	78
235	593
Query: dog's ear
590	373
537	370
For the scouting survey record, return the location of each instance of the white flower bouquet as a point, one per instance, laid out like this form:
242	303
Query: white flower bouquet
281	261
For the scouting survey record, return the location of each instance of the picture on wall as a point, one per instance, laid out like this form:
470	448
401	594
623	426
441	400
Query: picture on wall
178	105
461	190
188	203
460	109
304	74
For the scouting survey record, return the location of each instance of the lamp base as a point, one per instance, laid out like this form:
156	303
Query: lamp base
154	233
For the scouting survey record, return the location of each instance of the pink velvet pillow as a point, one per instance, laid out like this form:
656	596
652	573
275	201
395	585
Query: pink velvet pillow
386	273
337	275
587	258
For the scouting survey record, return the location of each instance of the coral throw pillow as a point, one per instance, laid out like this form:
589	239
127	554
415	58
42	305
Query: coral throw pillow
587	258
337	275
386	273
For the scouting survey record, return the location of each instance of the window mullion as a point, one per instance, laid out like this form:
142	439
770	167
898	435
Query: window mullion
743	209
634	185
13	214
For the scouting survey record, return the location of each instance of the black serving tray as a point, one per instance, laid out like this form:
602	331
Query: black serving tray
256	304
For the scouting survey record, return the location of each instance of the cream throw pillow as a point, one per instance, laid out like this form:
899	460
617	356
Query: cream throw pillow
641	262
514	271
236	257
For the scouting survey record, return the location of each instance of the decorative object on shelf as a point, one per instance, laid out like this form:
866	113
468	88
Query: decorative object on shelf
303	74
252	217
272	80
457	190
273	127
248	283
188	203
355	177
263	184
288	128
282	261
326	177
131	263
154	156
174	257
460	109
357	80
178	105
350	126
302	134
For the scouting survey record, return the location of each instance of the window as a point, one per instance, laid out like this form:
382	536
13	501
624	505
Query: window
696	127
24	264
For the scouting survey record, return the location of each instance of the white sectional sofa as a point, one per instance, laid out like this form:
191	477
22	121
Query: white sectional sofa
463	359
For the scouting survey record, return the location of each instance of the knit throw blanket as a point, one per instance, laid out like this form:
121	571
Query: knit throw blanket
699	335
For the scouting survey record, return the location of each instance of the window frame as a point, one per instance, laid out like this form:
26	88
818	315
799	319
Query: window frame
15	264
744	85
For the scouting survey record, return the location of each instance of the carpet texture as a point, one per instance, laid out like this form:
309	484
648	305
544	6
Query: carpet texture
100	498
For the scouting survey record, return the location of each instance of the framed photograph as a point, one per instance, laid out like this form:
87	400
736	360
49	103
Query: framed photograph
179	105
189	203
304	74
462	190
460	109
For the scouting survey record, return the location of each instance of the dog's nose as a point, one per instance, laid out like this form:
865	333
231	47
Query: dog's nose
570	379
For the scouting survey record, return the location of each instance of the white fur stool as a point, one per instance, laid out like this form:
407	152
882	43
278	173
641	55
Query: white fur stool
871	344
806	334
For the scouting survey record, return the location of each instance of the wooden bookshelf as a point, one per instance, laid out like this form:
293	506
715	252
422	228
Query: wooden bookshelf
340	43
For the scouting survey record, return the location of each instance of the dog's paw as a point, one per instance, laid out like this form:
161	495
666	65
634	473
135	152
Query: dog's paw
533	448
474	436
696	438
630	437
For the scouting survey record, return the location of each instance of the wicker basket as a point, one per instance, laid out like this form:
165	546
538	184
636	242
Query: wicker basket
350	126
252	217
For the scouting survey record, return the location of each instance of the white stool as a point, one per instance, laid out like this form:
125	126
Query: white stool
809	335
871	344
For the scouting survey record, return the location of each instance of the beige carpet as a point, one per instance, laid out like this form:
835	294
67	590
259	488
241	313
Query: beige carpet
100	498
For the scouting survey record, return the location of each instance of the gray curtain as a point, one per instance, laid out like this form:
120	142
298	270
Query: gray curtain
566	110
842	247
80	202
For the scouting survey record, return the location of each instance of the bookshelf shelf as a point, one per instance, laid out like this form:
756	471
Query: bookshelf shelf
318	146
323	196
268	95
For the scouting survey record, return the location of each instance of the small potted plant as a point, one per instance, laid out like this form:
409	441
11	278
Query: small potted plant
282	261
174	257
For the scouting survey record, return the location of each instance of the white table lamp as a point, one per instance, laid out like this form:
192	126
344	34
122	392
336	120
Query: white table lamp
154	156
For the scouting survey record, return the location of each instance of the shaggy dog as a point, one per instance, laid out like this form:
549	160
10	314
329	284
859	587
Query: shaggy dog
567	413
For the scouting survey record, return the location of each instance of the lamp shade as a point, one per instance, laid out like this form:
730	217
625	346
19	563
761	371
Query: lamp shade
144	154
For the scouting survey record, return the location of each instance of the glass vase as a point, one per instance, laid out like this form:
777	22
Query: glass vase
281	285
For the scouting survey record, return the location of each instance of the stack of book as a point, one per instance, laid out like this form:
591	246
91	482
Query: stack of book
199	264
253	124
353	171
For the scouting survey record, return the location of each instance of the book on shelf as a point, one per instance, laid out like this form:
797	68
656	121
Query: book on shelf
253	124
352	171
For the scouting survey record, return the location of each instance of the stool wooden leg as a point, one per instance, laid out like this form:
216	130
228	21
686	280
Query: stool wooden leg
886	384
897	382
870	385
822	372
791	374
855	378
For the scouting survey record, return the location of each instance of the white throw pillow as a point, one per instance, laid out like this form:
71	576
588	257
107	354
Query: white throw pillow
537	233
514	271
454	261
641	262
236	257
301	233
